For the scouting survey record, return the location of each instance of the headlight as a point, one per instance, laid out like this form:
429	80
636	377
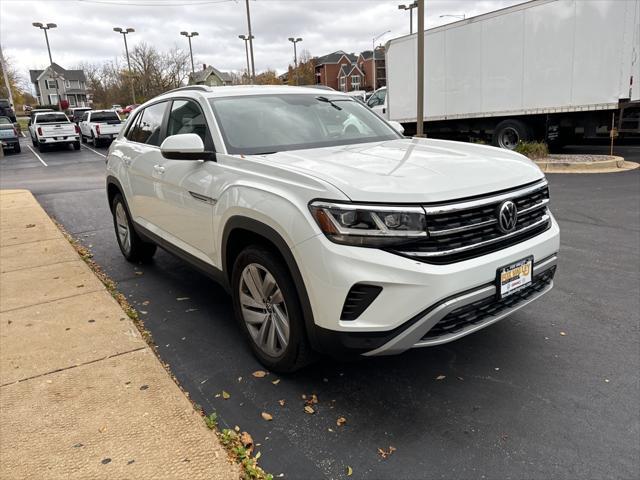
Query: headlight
369	225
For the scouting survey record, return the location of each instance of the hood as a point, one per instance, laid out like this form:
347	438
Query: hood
413	170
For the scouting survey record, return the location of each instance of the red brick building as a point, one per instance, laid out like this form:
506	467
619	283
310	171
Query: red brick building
346	71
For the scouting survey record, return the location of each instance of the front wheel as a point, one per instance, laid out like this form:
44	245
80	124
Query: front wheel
131	245
16	148
268	310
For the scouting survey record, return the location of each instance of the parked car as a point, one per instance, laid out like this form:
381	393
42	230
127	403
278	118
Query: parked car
9	135
27	108
53	128
75	113
99	126
6	110
116	107
330	238
130	108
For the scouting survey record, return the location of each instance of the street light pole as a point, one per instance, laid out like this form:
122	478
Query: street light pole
295	56
373	55
420	79
253	65
46	27
246	50
189	35
124	32
409	7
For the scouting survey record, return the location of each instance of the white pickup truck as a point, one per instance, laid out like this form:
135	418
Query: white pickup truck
100	125
52	128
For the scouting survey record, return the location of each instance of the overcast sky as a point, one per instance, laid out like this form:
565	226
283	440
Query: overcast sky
85	27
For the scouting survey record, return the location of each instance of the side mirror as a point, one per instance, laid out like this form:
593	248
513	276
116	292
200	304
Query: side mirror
185	146
397	126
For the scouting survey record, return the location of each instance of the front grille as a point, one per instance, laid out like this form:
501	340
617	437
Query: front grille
470	229
485	308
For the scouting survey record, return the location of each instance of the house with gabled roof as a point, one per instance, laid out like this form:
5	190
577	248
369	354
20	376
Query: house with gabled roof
55	83
347	71
210	76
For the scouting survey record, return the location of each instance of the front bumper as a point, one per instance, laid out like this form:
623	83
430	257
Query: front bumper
415	296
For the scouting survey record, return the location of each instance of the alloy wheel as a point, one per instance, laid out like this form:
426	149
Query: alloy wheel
264	310
123	228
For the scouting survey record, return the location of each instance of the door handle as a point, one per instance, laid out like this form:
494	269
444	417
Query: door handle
158	169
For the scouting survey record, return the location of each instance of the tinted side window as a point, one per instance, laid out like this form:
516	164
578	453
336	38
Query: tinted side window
131	133
148	129
186	117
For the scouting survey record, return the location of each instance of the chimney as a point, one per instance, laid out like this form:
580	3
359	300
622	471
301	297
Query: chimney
204	66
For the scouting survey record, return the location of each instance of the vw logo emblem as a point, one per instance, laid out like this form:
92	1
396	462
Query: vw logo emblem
507	216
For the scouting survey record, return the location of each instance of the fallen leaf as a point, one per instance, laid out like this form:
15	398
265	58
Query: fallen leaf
349	471
102	429
309	409
275	382
606	380
441	377
225	395
182	299
30	225
259	373
267	416
385	453
247	441
146	302
258	455
138	273
313	399
236	428
341	421
562	333
281	402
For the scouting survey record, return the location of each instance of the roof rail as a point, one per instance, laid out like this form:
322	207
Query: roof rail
201	88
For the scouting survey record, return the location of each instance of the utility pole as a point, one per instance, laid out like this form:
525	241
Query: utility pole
420	99
373	55
189	35
295	56
409	7
246	50
253	65
6	78
124	32
46	27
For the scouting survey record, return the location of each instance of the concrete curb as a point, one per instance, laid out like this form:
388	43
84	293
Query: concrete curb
82	394
610	165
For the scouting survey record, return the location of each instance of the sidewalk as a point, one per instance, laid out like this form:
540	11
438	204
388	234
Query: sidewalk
81	394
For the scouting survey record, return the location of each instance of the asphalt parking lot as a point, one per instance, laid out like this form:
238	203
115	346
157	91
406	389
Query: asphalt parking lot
551	392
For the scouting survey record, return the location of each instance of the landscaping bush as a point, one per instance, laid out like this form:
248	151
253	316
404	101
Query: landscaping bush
533	150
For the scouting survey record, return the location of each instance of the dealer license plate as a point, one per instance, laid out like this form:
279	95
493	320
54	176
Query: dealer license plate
514	277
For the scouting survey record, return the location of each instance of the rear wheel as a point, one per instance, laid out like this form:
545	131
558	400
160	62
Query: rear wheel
76	145
94	140
268	310
16	148
84	139
509	133
131	245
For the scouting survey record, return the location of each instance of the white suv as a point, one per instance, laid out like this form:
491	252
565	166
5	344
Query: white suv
331	231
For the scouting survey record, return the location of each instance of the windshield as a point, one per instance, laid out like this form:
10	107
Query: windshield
51	118
260	124
104	117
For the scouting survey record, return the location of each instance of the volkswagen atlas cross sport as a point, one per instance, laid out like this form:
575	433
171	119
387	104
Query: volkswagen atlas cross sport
331	231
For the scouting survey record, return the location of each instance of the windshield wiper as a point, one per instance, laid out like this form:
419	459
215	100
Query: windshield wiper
325	99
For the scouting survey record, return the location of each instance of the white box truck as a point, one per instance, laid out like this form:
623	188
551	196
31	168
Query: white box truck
554	70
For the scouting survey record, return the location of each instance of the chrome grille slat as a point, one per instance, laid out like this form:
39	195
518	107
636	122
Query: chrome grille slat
456	233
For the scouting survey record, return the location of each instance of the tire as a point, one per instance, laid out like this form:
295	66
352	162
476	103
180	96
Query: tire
94	140
34	142
76	145
133	248
42	147
508	133
84	139
280	320
16	148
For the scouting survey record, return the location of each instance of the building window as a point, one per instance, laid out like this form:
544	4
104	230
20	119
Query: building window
53	99
355	82
343	84
72	100
51	85
67	84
